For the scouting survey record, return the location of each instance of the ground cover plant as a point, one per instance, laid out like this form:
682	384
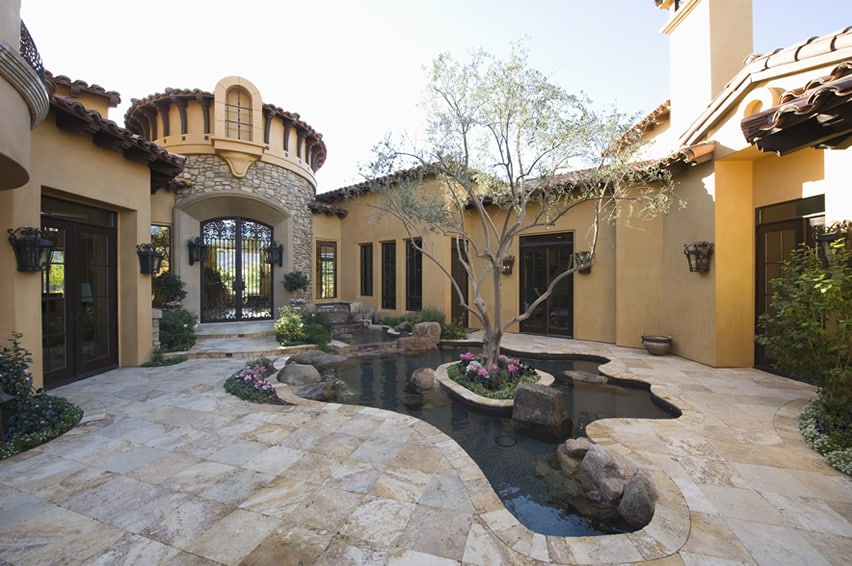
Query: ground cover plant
250	383
809	330
29	417
496	381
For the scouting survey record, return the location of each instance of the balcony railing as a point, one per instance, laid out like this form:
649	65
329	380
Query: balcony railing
30	52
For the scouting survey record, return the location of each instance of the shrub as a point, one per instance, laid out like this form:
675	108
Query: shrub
296	281
157	359
289	327
449	331
250	383
29	418
829	434
317	330
453	331
177	330
809	327
167	288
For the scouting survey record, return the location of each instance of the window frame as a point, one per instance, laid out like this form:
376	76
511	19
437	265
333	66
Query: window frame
366	261
326	269
388	291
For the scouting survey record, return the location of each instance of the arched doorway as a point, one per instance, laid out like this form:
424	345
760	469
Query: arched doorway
236	277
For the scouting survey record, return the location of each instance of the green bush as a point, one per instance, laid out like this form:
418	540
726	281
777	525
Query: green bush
158	360
177	330
29	418
809	325
449	331
289	327
296	281
167	288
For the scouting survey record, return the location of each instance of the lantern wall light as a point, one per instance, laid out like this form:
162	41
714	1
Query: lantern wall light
196	247
274	253
150	259
33	250
698	255
508	263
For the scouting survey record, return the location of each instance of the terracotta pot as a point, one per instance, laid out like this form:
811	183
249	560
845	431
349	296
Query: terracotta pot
657	345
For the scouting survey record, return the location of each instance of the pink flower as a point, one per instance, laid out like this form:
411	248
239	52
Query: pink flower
512	368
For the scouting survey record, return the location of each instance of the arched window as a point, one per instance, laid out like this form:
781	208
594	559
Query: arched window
238	114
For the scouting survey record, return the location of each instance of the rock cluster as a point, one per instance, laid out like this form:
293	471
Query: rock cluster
424	336
587	477
540	411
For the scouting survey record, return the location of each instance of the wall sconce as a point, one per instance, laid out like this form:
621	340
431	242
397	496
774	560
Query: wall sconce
150	259
197	248
33	250
274	253
583	261
698	255
827	235
508	263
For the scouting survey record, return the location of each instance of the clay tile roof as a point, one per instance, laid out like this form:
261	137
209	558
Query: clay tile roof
329	209
77	87
818	114
73	116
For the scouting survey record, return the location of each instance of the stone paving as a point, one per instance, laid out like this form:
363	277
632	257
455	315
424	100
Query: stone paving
167	468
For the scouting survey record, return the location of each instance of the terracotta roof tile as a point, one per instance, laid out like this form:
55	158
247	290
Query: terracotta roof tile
77	87
74	116
817	114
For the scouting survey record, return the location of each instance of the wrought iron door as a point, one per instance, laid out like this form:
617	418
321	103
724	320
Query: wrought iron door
236	277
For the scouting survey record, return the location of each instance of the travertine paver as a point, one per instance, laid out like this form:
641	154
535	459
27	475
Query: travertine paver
167	468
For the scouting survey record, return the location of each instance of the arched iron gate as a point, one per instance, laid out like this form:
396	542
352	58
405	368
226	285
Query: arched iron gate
236	277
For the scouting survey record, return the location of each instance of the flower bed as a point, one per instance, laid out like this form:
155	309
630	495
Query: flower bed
498	381
250	383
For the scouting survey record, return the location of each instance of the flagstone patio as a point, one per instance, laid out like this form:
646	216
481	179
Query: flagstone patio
167	468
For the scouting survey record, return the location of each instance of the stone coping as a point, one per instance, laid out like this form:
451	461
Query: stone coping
458	390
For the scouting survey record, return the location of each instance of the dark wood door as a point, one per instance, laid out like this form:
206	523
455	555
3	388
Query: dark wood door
543	258
79	315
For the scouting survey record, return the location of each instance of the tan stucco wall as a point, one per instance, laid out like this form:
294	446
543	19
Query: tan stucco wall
71	167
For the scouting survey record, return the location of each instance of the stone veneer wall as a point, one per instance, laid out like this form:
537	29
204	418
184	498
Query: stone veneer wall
210	173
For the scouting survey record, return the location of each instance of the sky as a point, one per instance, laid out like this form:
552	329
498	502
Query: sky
354	70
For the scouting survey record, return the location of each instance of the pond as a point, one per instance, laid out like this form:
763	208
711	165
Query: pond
506	457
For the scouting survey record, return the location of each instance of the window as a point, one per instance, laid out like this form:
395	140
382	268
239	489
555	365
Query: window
388	275
238	114
366	270
413	275
161	237
327	270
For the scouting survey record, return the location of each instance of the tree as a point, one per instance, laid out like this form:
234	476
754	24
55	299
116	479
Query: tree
511	153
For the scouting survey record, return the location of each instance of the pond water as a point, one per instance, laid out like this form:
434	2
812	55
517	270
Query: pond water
508	458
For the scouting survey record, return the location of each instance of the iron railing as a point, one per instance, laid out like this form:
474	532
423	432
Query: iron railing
30	52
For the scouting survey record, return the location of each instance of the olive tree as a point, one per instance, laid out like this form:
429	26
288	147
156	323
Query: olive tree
513	153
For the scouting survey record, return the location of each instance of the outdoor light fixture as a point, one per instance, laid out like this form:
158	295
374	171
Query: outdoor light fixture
583	261
32	249
508	263
196	247
149	259
274	253
698	255
827	235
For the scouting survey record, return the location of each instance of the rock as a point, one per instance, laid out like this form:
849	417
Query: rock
598	463
322	391
423	378
318	359
424	336
638	501
299	374
577	447
540	411
584	376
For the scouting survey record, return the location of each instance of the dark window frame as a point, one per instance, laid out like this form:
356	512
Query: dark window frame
388	300
413	275
366	255
326	270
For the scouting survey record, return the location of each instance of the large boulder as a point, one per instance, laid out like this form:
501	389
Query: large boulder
540	411
423	378
424	336
322	391
317	358
299	374
588	478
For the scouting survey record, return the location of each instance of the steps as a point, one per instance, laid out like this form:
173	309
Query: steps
244	340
